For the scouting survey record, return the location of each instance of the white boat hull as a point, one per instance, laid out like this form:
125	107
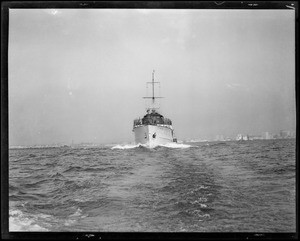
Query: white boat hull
153	135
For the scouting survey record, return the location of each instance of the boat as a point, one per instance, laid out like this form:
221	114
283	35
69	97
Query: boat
153	129
241	137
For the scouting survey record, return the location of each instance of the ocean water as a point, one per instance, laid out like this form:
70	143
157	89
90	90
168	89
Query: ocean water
192	187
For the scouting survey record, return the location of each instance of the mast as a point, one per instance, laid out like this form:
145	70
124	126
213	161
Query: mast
153	95
153	98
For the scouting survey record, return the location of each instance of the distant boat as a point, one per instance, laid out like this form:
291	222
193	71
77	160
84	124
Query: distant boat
240	137
153	129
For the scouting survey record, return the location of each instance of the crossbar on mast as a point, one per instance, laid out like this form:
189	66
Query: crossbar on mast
153	82
153	95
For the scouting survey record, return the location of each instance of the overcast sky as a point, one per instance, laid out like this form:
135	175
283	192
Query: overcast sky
81	74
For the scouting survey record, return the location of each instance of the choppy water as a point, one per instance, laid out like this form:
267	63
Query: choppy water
203	187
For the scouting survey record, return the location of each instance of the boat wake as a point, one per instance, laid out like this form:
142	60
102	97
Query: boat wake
126	146
168	145
176	145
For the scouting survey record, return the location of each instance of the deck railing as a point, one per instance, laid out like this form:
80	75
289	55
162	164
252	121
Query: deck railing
152	121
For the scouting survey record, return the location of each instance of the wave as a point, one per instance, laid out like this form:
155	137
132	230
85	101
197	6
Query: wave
35	184
126	146
73	218
18	221
176	145
168	145
69	169
197	140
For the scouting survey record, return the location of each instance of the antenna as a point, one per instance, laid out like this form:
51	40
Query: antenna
153	98
153	95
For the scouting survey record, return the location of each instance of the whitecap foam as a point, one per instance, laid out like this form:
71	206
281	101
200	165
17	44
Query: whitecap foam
73	218
202	217
176	145
126	146
131	146
69	222
18	221
200	214
77	213
199	201
168	145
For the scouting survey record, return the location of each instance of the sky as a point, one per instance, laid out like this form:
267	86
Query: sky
79	75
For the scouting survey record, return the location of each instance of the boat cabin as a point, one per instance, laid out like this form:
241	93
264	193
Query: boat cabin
152	118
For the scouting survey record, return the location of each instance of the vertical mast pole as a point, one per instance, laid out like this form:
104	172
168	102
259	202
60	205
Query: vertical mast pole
153	98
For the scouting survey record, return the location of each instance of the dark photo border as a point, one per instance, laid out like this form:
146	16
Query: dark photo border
5	6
